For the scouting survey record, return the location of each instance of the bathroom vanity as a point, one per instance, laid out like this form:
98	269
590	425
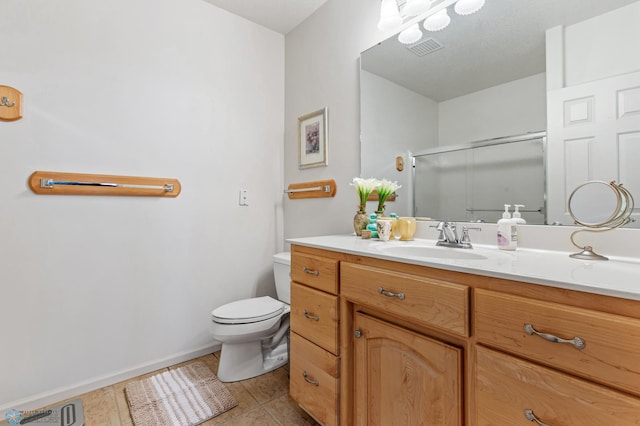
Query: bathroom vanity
380	337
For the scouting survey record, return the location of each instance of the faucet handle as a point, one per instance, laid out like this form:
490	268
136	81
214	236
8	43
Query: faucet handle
465	234
439	227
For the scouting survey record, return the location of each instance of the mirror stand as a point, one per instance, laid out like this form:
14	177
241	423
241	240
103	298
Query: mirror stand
598	206
587	252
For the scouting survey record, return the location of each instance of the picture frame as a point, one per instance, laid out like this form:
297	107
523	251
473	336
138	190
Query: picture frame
312	139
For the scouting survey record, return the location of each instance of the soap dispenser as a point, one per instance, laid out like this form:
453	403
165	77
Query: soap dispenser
517	217
507	236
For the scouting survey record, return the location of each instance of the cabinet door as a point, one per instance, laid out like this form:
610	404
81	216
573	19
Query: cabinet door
404	378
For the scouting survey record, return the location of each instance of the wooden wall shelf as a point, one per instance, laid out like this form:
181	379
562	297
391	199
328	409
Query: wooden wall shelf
315	189
59	183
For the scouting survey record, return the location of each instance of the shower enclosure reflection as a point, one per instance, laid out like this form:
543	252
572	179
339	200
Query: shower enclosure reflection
473	182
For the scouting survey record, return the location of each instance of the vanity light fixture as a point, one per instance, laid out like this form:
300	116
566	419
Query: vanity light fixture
432	12
389	15
467	7
416	7
437	22
410	35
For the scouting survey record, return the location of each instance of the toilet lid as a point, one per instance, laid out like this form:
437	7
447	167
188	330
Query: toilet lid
248	310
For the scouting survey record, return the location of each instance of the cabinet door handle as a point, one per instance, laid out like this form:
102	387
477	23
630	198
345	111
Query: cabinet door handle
577	342
308	380
528	414
312	317
390	294
310	271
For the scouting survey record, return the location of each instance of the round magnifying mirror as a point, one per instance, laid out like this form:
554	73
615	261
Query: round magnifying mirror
596	204
599	205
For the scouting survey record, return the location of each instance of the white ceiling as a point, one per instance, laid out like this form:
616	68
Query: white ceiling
279	15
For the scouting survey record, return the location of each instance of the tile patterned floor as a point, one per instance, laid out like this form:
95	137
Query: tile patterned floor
263	401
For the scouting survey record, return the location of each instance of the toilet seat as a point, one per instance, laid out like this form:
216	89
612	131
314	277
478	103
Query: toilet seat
247	311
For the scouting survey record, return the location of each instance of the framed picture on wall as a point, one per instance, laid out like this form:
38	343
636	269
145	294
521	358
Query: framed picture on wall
312	139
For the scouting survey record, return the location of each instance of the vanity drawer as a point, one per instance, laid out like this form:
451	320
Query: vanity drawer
313	381
506	386
315	315
431	302
611	352
315	271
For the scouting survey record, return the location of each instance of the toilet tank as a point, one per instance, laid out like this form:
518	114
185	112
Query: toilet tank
282	275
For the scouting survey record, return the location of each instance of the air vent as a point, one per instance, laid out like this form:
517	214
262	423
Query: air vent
425	47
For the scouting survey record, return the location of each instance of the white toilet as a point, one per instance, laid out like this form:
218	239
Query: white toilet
254	332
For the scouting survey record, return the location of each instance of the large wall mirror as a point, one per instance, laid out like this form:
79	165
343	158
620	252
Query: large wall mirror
562	76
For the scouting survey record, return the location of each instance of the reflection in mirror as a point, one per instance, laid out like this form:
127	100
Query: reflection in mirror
466	182
599	206
514	68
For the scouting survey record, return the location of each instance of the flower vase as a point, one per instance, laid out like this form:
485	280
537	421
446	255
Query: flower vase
360	221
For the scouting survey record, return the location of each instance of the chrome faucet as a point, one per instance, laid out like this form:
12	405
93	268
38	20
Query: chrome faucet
449	237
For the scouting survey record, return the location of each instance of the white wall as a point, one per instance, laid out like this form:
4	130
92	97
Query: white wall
509	109
603	46
398	122
322	70
97	288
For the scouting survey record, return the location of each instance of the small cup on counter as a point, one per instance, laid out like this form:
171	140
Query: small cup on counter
383	227
394	226
366	234
407	228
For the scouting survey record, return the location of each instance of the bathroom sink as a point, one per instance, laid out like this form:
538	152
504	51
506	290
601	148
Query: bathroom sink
432	252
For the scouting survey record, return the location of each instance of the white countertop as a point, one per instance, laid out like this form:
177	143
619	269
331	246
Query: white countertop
618	277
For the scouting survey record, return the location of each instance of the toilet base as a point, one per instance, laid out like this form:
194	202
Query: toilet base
241	361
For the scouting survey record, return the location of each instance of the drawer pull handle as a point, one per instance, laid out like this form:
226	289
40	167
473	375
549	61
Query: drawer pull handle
390	294
577	342
532	417
308	380
310	271
312	317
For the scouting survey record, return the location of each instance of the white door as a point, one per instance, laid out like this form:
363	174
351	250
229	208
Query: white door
593	133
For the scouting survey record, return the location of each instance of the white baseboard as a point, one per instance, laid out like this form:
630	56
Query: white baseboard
47	398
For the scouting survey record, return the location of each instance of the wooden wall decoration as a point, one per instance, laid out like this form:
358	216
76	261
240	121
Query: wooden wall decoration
10	104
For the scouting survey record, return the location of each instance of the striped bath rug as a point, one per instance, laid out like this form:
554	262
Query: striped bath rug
185	396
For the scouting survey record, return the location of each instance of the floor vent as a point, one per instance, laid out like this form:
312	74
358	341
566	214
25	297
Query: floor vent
425	47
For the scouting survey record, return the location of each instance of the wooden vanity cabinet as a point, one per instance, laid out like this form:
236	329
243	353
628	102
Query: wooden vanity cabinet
411	345
314	350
